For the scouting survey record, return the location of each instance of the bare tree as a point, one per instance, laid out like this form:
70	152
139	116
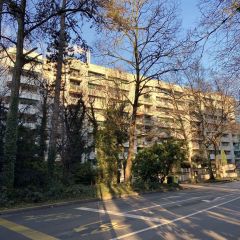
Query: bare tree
177	100
211	110
143	38
219	30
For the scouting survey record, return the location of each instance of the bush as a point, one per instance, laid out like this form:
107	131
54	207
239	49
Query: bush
153	164
140	185
85	174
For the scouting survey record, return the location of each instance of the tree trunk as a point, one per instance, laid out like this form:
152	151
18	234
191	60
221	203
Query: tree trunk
210	170
42	141
55	112
10	147
216	161
131	153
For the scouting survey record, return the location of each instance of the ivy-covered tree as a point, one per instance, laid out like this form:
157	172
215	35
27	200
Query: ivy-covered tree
73	146
25	20
110	140
3	117
30	170
65	42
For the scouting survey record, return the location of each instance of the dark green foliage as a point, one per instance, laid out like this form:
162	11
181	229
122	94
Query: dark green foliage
147	166
141	186
110	140
3	116
74	142
55	192
153	164
200	159
10	146
29	169
85	173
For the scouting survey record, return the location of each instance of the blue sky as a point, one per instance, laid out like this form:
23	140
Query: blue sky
189	14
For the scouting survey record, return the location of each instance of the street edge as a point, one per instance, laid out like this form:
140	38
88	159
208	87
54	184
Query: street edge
80	201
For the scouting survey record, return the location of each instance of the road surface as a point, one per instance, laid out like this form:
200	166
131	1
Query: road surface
209	211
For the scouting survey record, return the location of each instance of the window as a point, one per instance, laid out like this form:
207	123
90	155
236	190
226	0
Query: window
225	144
28	87
163	110
28	118
237	154
28	101
97	99
75	95
118	80
163	91
74	72
95	74
147	108
178	94
92	86
229	161
96	86
75	83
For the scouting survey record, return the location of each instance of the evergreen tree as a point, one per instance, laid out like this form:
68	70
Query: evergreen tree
110	140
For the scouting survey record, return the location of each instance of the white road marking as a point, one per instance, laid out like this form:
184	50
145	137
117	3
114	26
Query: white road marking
169	203
171	197
160	205
175	220
163	204
152	219
213	200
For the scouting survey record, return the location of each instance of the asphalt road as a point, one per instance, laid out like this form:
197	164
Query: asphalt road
206	212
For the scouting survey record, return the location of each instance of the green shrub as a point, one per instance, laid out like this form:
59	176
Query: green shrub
153	164
85	174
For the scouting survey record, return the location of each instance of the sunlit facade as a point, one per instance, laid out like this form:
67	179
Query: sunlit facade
161	113
158	117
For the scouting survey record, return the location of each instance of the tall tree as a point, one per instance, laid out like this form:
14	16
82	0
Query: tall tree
112	136
66	38
61	47
212	110
74	144
24	19
143	38
27	17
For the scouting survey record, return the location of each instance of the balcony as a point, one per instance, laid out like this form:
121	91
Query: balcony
75	88
148	122
98	93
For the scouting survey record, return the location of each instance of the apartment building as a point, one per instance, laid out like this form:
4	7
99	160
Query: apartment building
30	88
164	109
